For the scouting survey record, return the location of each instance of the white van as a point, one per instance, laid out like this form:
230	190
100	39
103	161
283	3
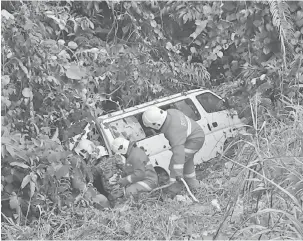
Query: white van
203	106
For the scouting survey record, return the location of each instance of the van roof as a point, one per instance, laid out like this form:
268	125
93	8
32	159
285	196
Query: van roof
147	104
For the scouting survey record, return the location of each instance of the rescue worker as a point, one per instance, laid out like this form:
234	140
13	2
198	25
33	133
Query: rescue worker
140	175
185	137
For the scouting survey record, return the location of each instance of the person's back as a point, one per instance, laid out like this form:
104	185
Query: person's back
179	126
185	137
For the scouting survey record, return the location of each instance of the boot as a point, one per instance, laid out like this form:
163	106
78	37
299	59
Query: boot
173	190
193	183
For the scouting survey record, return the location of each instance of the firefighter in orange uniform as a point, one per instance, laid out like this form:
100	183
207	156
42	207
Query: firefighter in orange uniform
185	137
140	175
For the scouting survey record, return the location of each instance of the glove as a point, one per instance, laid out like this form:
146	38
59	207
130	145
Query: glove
178	178
123	182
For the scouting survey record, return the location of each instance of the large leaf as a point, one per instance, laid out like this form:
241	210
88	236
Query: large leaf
27	93
5	79
14	202
62	172
75	72
201	25
25	181
19	164
32	188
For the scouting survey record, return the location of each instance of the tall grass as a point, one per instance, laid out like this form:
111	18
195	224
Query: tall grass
263	187
272	160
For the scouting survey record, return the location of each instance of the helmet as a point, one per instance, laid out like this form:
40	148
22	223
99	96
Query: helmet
85	147
154	117
120	145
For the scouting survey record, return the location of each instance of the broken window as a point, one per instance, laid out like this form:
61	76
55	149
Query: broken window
187	107
210	102
128	127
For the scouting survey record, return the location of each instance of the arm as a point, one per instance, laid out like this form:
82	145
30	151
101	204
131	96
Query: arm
136	159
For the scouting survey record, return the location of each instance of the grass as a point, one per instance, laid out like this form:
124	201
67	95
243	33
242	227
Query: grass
259	190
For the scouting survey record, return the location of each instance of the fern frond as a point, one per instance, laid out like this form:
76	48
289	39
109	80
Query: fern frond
281	18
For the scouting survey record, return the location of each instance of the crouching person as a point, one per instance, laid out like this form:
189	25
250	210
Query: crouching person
139	174
185	137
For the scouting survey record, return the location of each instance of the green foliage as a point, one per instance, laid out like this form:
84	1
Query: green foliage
63	62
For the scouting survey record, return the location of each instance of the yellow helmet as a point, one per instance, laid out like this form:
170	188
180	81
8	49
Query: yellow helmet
120	145
154	117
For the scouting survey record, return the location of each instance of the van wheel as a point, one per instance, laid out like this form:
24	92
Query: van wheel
163	176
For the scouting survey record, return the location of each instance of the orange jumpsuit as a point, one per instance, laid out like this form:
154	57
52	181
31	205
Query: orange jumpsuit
185	137
139	173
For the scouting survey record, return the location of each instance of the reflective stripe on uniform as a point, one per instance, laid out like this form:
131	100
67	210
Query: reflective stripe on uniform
129	178
172	179
146	186
191	175
189	150
178	166
188	126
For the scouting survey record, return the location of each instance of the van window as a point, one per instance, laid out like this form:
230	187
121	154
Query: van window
186	106
129	127
210	102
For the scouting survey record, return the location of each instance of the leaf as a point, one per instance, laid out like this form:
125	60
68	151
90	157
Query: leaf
72	45
127	227
5	79
62	172
201	25
193	50
27	93
101	200
25	181
125	29
55	136
153	23
19	164
14	202
6	14
74	72
53	79
61	42
32	188
24	69
220	54
28	25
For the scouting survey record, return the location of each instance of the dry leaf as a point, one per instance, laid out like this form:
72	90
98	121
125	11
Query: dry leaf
127	228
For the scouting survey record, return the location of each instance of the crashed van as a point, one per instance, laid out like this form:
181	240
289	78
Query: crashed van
205	107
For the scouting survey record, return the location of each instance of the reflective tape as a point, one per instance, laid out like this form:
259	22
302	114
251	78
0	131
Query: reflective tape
188	126
129	178
145	185
178	166
191	175
172	179
189	151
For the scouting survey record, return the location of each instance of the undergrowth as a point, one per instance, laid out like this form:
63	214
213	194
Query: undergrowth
259	191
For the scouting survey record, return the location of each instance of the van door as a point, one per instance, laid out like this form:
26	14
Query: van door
219	117
218	123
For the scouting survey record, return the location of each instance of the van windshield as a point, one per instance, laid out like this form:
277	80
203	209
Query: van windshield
129	127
